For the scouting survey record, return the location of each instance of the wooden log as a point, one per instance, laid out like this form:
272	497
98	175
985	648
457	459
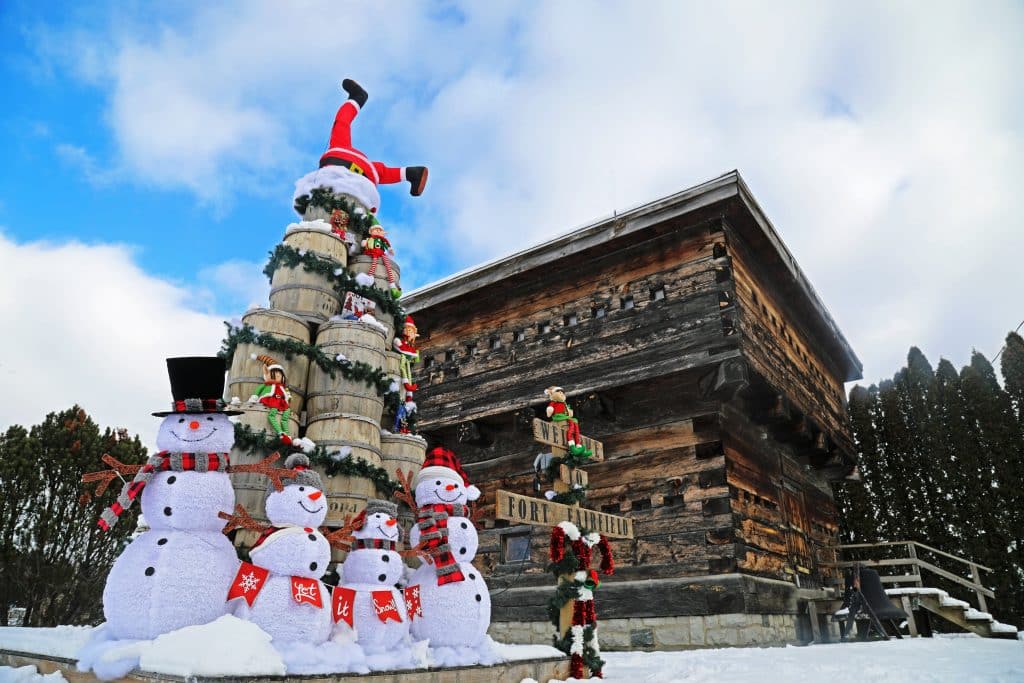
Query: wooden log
246	373
344	426
358	342
358	449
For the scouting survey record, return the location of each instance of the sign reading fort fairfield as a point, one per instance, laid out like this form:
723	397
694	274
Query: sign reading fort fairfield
525	510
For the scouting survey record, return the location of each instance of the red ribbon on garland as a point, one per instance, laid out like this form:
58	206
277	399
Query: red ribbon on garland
385	607
248	582
412	602
306	591
343	602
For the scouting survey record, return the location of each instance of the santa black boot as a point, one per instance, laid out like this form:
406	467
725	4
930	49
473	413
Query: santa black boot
417	177
355	92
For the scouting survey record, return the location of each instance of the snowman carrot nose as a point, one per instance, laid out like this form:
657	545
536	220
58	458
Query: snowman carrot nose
391	522
315	495
193	425
450	487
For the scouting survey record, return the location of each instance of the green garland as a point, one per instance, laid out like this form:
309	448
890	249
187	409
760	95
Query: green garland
572	461
357	371
252	441
341	280
324	198
572	496
591	659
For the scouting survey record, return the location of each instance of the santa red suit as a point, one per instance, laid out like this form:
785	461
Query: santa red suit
340	151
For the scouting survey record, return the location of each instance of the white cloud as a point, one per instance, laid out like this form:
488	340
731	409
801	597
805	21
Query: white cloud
84	324
235	285
884	142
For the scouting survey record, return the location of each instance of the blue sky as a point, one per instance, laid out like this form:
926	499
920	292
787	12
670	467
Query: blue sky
150	153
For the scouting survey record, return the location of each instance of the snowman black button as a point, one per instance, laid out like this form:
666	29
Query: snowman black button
472	577
312	537
149	571
462	551
161	541
478	598
167	511
171	479
312	566
382	577
465	526
385	558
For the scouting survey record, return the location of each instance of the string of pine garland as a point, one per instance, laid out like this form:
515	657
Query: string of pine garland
572	496
353	371
572	461
259	443
591	659
325	198
341	280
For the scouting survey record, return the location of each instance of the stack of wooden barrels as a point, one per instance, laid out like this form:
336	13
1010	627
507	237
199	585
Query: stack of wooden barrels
341	415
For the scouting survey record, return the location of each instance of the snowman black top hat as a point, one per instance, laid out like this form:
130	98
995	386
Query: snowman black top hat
197	384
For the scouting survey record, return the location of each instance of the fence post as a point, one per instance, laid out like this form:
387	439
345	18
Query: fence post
915	569
976	576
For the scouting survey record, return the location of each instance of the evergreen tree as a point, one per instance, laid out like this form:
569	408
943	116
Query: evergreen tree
1013	373
55	556
856	499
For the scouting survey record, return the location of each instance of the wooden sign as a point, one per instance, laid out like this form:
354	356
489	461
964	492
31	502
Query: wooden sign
536	511
553	434
573	476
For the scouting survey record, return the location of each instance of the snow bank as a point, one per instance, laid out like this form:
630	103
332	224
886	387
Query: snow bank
228	645
62	641
28	674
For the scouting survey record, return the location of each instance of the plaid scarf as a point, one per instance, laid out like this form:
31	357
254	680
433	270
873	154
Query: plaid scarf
373	543
433	523
163	461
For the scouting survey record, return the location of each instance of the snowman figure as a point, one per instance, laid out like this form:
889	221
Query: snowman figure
280	592
453	596
182	489
368	599
301	501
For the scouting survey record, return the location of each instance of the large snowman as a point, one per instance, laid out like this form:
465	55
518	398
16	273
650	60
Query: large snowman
182	489
368	598
455	603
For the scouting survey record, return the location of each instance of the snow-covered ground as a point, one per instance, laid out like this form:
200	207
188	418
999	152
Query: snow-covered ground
943	659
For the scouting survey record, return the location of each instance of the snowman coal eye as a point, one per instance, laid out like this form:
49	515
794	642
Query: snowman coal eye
171	479
437	483
180	420
209	419
302	488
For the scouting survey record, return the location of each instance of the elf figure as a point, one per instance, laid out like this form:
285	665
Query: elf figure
406	347
559	411
340	151
274	394
377	247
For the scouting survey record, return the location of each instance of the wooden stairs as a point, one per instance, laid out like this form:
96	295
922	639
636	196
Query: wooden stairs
901	563
949	608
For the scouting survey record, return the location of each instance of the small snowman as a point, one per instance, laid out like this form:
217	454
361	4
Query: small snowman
182	489
301	501
454	599
280	592
368	599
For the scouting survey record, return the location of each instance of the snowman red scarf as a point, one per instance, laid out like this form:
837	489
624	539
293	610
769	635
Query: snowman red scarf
433	523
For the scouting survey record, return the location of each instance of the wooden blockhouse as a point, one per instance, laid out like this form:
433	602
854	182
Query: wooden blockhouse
696	350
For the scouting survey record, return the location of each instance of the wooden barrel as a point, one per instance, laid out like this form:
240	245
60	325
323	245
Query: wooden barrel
315	213
317	237
361	264
357	342
405	451
365	451
344	427
306	294
254	415
393	364
246	373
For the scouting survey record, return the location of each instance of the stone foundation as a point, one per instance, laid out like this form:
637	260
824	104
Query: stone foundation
667	633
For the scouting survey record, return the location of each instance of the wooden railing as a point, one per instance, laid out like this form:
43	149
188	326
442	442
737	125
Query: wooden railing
911	565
